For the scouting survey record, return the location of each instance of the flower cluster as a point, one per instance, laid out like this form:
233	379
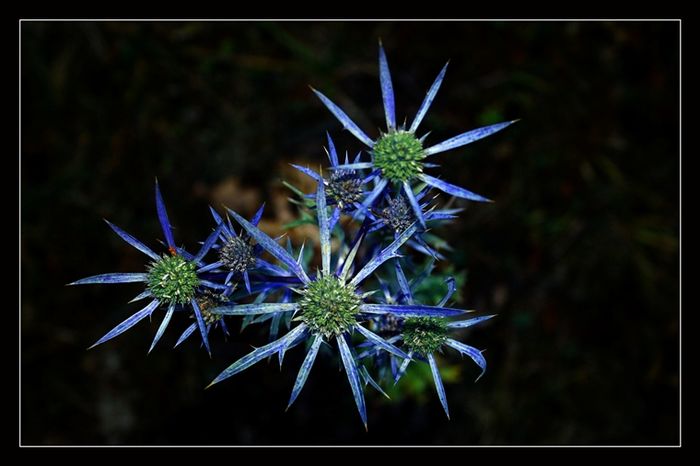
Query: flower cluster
375	215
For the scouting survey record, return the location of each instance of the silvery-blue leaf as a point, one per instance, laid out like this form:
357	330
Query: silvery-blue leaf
467	138
344	119
305	368
256	308
452	189
133	241
415	310
163	326
438	383
428	99
353	377
470	351
163	219
379	341
128	323
258	354
112	278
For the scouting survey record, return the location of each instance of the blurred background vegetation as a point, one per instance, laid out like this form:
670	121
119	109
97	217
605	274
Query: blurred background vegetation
578	256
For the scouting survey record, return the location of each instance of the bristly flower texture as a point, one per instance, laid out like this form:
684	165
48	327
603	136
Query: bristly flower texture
343	301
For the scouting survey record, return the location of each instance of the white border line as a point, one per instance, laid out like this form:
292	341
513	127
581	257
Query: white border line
680	240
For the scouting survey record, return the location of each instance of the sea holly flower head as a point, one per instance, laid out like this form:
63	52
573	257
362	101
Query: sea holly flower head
424	335
345	188
329	306
399	154
237	254
173	279
397	215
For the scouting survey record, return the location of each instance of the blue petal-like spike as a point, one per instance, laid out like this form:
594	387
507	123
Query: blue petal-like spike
275	326
208	243
128	323
256	308
438	383
451	288
224	327
163	218
347	263
376	192
353	377
421	246
305	368
162	327
344	119
470	351
387	89
133	241
185	255
384	255
212	266
428	99
379	341
332	154
371	176
212	285
403	283
246	280
201	324
260	353
466	138
186	334
215	215
353	166
414	203
309	172
323	228
369	380
258	215
402	369
268	268
415	310
272	247
291	344
452	189
335	216
469	322
143	295
440	216
112	278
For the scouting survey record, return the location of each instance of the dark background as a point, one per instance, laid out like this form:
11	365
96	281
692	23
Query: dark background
578	255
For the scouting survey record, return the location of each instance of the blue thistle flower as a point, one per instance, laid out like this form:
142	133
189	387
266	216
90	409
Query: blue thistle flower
422	336
395	214
174	279
398	154
330	307
344	186
238	256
